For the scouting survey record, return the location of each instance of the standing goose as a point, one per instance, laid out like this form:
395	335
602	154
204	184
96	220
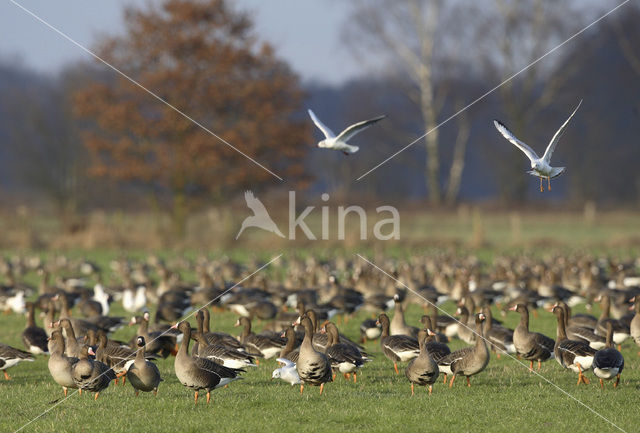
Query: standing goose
465	328
289	351
264	345
398	326
579	333
10	356
620	330
60	365
313	367
343	357
200	373
80	327
221	354
574	355
422	370
634	327
143	375
217	337
436	349
532	346
91	375
156	341
73	348
500	339
115	356
608	362
397	348
34	338
468	361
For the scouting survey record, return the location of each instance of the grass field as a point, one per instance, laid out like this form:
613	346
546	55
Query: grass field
505	397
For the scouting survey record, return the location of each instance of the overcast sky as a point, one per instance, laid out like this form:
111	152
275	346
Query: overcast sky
305	32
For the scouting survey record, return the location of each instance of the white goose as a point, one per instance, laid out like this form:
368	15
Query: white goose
541	167
339	142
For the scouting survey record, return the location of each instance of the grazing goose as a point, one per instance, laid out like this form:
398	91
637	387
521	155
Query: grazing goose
397	348
578	333
620	330
221	354
60	365
532	346
343	357
200	373
113	355
91	375
468	361
398	326
313	367
286	372
289	351
10	356
422	370
608	362
34	338
437	350
574	355
264	345
143	375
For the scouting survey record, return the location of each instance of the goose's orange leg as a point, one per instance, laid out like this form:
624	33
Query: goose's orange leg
411	389
445	379
196	397
539	365
80	391
615	385
395	367
468	382
530	365
95	397
137	392
301	388
6	375
452	379
355	377
208	396
64	389
601	384
430	389
321	388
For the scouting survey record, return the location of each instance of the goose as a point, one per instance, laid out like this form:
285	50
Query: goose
343	357
608	362
468	361
574	355
444	324
620	331
340	142
397	348
101	296
134	301
80	327
73	347
422	370
465	328
289	351
200	373
221	354
91	375
88	307
286	372
34	338
540	166
313	367
499	338
579	333
398	326
156	342
114	356
634	326
437	350
217	337
267	346
426	322
10	356
143	375
60	366
532	346
369	330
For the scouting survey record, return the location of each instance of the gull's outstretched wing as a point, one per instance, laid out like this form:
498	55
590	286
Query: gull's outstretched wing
321	126
554	141
357	127
254	204
512	138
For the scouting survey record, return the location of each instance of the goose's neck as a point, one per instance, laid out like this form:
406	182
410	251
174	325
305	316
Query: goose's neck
206	321
561	333
524	319
385	328
609	342
31	322
186	338
606	307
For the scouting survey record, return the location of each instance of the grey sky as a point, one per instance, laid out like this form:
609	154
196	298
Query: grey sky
305	32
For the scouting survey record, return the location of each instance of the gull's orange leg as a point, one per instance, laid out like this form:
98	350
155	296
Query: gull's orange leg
541	188
549	183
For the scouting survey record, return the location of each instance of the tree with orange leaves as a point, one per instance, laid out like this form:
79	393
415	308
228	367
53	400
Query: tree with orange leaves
203	58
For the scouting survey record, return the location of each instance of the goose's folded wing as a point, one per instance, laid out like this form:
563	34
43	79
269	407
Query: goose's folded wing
554	141
513	139
328	133
357	127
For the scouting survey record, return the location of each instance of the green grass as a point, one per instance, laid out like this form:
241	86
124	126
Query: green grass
505	397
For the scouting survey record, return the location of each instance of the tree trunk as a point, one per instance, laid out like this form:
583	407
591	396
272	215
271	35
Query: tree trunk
179	213
457	164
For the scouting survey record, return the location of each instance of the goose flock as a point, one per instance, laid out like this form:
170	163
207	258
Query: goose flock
298	307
